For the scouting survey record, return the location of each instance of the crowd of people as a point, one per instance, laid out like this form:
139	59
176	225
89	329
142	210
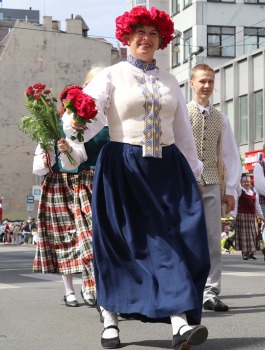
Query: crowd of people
149	160
18	232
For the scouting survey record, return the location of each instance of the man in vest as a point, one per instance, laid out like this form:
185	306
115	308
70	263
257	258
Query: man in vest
209	127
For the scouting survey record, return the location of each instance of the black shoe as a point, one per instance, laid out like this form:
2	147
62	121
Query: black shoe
245	257
194	336
73	303
110	343
252	256
89	302
215	304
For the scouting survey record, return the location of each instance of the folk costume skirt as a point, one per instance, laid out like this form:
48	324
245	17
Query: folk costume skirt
246	232
150	247
65	228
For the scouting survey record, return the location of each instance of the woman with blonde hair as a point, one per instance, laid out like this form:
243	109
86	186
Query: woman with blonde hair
64	244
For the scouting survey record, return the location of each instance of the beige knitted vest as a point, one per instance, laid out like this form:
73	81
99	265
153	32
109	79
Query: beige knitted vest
206	131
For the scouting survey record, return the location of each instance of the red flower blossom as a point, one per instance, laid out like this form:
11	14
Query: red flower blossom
81	105
84	105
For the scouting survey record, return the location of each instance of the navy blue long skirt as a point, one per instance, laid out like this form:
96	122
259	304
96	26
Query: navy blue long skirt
150	247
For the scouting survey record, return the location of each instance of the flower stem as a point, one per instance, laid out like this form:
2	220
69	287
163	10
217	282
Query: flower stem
70	158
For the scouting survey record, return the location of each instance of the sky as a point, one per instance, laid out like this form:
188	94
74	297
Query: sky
99	15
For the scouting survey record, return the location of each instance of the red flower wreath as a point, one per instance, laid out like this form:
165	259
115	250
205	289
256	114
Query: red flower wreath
140	15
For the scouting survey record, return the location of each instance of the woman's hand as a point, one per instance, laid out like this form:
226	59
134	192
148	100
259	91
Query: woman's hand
64	146
76	125
45	160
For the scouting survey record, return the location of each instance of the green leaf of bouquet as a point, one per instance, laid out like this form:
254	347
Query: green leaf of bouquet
79	120
80	137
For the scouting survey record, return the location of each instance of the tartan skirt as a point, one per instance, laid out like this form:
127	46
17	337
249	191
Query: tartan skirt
246	233
150	246
65	228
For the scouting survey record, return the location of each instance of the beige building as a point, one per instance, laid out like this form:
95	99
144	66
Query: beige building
32	53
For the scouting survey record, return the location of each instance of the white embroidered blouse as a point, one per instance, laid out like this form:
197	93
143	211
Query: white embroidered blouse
126	97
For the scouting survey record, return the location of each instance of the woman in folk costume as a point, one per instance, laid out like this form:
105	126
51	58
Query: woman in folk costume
64	215
246	214
147	209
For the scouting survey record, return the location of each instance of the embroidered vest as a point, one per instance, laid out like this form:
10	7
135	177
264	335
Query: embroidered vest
246	203
206	131
92	147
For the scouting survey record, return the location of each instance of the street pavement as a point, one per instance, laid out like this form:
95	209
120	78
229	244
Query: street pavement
33	316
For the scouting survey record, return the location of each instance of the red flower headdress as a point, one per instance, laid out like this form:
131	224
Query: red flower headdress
141	15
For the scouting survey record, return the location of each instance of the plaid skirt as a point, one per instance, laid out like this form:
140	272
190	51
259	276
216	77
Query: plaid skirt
64	227
246	232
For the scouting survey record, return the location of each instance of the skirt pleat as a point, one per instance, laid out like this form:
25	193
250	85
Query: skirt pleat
65	227
246	232
150	246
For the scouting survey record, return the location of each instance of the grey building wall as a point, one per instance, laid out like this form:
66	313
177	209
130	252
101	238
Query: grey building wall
32	54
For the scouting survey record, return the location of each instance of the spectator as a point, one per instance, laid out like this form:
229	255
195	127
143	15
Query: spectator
2	232
26	232
16	233
6	232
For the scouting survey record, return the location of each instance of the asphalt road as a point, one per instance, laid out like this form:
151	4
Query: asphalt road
33	316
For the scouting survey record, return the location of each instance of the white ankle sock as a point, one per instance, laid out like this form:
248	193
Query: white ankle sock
68	284
71	297
110	319
179	321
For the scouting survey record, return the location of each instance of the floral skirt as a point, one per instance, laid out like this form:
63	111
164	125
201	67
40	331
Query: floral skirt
64	227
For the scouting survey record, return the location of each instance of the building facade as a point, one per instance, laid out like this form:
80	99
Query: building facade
228	35
32	53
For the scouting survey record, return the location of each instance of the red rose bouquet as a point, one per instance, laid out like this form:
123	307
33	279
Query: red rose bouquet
43	124
82	106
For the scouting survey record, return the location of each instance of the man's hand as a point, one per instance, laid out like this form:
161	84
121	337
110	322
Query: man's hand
229	201
201	189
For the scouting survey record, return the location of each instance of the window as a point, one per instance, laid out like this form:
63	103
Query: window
187	3
187	38
175	6
230	113
221	41
138	2
243	118
254	38
175	51
221	0
258	113
254	1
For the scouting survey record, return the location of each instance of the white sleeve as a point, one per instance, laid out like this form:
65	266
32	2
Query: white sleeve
39	167
257	205
259	179
184	138
101	93
78	154
231	158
